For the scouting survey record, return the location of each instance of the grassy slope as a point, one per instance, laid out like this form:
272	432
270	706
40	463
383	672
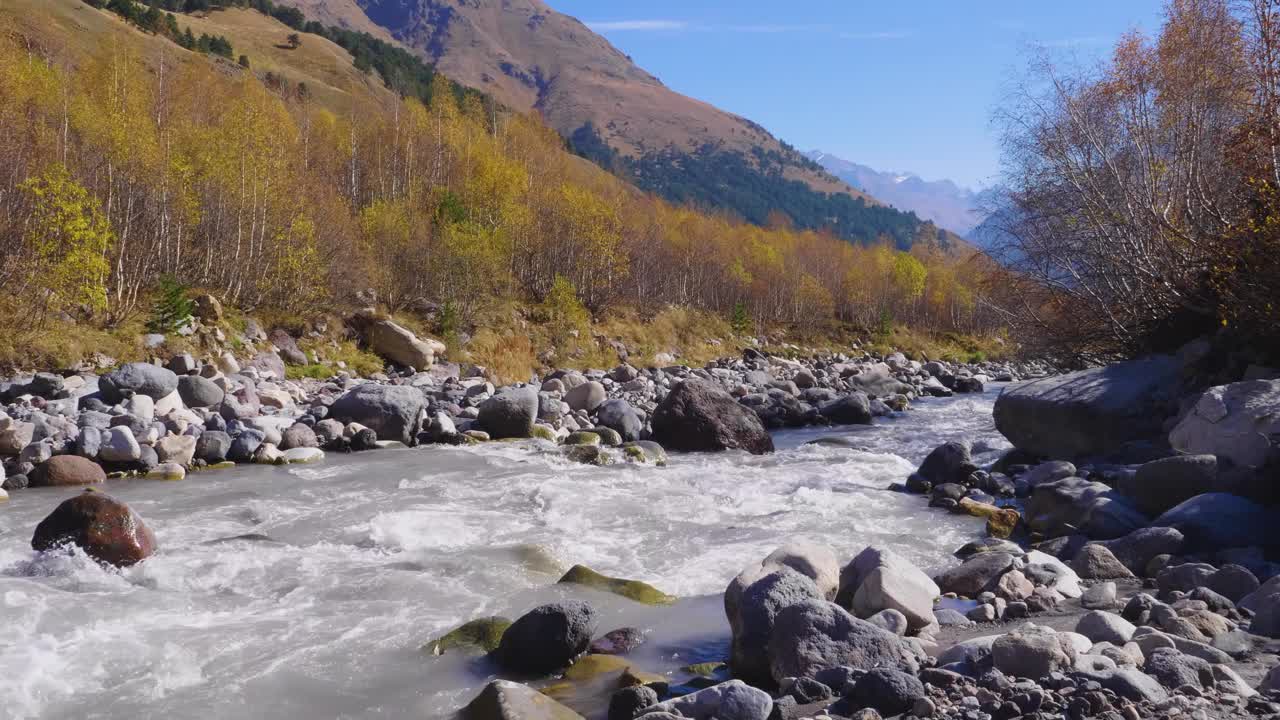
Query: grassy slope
75	30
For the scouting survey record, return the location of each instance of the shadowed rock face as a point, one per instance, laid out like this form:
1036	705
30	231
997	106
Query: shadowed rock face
107	529
1091	412
698	416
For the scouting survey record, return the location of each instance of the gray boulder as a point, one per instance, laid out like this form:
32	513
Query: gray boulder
298	435
137	379
507	700
213	446
618	415
394	412
887	581
698	416
1217	521
813	635
1090	412
1237	421
1032	653
852	409
732	700
1095	562
119	446
878	382
398	345
199	392
978	574
1131	684
754	613
1075	505
889	691
1173	669
588	396
510	413
1101	626
1161	484
547	638
1137	549
947	463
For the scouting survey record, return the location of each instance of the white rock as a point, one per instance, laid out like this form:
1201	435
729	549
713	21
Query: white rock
16	436
303	455
1236	421
176	449
1068	582
168	471
141	406
119	445
169	404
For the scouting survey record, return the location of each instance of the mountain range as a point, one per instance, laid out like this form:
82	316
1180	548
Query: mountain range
532	58
942	202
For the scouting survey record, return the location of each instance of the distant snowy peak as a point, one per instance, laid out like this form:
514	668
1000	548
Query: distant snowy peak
942	201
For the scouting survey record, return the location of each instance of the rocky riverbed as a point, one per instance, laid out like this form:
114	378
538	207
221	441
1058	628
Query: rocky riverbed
1109	571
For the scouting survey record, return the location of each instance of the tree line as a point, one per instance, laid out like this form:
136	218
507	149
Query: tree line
1141	206
124	167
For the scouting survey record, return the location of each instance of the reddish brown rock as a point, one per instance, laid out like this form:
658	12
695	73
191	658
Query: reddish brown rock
67	470
107	529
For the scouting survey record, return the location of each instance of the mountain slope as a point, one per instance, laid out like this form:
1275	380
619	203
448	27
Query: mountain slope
532	58
941	201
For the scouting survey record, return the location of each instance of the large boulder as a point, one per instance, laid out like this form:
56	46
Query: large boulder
1217	521
510	413
137	379
887	581
199	392
1138	548
948	463
1239	422
852	409
889	691
1161	484
507	700
67	470
813	635
977	575
547	638
618	415
1090	412
588	396
1077	506
394	412
105	528
698	416
400	346
753	611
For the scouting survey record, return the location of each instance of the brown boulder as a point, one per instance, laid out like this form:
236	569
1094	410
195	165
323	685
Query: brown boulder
107	529
67	470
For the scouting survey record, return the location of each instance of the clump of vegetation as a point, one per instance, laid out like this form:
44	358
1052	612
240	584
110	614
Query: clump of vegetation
172	309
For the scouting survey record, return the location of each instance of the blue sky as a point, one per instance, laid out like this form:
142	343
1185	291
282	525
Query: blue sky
904	86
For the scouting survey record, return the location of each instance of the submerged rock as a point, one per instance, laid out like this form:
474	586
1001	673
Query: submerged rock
105	528
698	416
481	636
632	589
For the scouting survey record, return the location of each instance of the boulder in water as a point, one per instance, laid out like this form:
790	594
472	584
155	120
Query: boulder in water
479	636
506	700
698	416
547	638
107	529
631	589
852	409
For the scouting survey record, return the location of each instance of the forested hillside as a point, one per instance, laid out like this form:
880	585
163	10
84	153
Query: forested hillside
293	179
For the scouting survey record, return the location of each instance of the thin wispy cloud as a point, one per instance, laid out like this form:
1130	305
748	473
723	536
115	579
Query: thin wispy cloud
774	28
639	26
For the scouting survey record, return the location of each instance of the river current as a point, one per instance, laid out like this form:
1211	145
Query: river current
308	591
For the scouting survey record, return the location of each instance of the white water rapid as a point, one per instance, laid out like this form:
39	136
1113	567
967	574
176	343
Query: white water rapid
366	557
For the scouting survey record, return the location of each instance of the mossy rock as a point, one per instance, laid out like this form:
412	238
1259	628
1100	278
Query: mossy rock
632	589
707	669
608	436
476	435
588	455
536	558
582	437
645	451
224	465
542	432
478	637
592	680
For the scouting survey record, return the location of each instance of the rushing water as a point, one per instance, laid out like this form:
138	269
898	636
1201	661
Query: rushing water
366	557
